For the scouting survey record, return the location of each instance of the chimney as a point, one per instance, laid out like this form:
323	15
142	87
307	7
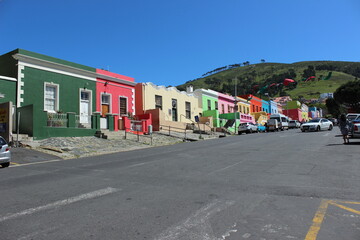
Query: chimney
189	89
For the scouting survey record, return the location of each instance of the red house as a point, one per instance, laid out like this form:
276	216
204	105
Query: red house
115	98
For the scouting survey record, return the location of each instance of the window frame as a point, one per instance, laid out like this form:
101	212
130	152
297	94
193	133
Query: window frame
188	111
57	97
126	105
161	102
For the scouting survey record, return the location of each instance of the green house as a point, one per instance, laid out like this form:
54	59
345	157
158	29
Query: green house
52	97
209	102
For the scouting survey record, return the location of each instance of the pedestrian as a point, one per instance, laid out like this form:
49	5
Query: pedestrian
344	126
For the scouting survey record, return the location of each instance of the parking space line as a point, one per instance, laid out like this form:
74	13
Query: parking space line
345	208
317	220
14	163
320	214
26	164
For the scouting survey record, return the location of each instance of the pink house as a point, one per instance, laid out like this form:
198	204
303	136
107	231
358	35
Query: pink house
115	98
226	103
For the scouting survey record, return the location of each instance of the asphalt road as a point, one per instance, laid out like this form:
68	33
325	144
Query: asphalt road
286	185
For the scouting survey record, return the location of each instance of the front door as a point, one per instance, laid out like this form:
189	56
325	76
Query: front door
84	107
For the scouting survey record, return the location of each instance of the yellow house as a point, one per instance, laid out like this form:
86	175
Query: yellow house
168	105
260	117
243	105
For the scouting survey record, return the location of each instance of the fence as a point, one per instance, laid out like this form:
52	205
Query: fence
57	120
176	132
138	134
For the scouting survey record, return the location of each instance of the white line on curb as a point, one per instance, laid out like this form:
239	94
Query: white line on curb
60	203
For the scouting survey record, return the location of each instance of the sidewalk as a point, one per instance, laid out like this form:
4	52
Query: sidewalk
75	147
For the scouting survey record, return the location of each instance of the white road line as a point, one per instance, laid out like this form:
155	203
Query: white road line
222	169
198	225
326	134
61	203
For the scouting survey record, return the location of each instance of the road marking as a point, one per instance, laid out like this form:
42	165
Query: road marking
320	214
345	208
14	163
317	220
326	134
197	226
222	169
33	163
61	203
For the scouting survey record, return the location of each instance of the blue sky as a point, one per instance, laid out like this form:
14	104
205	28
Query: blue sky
169	42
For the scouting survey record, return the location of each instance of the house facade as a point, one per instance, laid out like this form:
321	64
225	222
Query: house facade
208	101
168	105
50	94
115	98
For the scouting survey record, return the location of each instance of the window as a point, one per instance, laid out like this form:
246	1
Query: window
223	108
158	102
174	110
209	104
51	98
123	106
229	109
216	105
188	110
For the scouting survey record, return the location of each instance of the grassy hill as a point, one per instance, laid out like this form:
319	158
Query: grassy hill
263	74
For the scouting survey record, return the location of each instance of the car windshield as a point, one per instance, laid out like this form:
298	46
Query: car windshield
351	117
2	141
315	120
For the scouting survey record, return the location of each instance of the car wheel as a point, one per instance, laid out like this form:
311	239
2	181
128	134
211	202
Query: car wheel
318	128
250	131
302	130
330	128
4	165
239	133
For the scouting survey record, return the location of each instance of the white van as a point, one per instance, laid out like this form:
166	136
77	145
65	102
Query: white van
282	120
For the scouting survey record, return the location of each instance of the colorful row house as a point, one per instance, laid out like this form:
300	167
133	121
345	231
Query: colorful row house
52	97
168	106
296	111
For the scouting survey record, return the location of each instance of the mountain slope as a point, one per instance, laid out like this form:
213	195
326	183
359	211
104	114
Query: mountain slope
265	74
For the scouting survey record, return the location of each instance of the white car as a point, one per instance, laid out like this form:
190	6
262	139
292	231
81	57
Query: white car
355	133
5	155
247	128
294	124
317	124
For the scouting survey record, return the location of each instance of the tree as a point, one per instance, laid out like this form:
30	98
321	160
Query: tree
262	60
349	95
333	107
309	72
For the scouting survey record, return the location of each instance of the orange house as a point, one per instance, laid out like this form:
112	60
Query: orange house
255	103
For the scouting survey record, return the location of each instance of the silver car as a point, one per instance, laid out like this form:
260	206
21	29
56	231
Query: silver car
5	155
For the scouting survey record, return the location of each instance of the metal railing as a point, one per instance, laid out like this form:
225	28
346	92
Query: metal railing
136	132
175	130
57	120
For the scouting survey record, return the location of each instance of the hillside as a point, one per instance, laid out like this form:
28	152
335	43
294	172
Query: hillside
252	78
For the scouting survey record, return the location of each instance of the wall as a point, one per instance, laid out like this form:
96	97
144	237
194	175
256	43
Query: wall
8	89
150	90
227	102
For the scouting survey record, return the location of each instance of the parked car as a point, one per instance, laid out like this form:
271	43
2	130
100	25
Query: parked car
247	128
272	125
261	128
334	121
317	124
5	155
294	124
355	133
283	121
353	117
